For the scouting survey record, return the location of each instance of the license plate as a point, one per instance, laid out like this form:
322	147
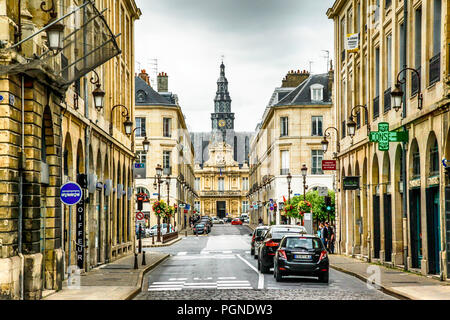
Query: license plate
302	256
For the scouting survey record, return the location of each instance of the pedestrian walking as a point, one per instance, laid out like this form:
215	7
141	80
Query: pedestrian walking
325	235
260	221
331	237
319	231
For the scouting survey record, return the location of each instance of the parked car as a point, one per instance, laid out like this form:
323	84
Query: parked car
269	244
216	220
227	219
154	230
207	221
244	216
246	220
257	237
200	228
303	256
236	221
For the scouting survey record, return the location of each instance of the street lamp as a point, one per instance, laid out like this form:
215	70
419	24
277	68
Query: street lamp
168	200
304	174
397	93
351	125
157	183
289	180
98	93
127	123
55	30
325	140
145	143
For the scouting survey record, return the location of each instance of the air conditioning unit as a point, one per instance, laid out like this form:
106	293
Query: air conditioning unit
108	187
45	177
119	191
92	182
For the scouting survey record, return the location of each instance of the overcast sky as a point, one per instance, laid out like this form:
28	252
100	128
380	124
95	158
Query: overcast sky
261	41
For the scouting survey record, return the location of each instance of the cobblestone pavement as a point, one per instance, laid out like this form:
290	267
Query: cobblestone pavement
219	267
272	294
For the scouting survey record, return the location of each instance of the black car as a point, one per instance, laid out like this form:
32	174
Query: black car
207	222
303	256
257	236
269	244
200	228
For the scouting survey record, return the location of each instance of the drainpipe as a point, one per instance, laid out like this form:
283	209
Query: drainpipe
20	218
405	192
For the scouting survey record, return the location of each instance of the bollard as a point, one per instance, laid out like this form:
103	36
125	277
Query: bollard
185	233
140	238
135	261
143	258
153	238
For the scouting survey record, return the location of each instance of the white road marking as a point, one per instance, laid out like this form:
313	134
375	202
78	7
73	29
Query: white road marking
226	278
177	279
168	283
232	281
227	251
226	285
260	275
182	253
165	289
234	288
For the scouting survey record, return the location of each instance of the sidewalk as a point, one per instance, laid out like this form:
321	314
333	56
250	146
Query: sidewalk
404	284
115	281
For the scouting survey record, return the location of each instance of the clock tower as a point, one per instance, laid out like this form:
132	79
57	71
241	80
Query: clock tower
222	119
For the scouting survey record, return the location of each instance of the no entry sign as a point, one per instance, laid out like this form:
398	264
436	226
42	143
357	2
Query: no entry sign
139	216
71	193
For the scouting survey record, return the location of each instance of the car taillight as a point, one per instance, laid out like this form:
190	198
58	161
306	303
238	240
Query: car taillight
271	244
323	255
282	254
253	238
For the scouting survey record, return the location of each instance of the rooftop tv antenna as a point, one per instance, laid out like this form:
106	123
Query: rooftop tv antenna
153	72
326	56
310	66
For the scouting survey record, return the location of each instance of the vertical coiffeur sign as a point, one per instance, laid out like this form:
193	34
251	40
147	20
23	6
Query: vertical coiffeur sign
80	234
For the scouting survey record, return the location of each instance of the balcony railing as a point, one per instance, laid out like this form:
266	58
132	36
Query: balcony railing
387	100
415	82
435	68
284	172
376	107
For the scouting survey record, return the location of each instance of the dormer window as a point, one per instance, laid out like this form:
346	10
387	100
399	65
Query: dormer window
140	96
317	92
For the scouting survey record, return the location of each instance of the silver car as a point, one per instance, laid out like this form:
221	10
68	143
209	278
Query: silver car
154	230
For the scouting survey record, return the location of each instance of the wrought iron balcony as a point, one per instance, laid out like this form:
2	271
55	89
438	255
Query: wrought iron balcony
415	83
387	100
435	68
376	107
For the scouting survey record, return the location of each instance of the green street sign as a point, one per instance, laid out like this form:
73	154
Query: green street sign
383	136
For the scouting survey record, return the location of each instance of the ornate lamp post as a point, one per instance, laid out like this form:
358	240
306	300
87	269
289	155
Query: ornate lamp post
289	180
157	184
98	93
127	123
351	125
304	174
55	30
145	143
168	200
397	93
325	141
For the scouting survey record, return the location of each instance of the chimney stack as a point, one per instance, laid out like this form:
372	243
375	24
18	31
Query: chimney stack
163	82
144	76
294	78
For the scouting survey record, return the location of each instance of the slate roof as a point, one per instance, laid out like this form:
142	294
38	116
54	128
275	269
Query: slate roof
302	94
150	96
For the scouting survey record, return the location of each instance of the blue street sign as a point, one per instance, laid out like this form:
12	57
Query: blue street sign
444	162
155	194
139	165
71	193
188	207
1	98
297	194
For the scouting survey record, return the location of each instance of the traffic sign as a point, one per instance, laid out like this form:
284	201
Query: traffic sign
71	193
139	216
328	165
323	191
444	162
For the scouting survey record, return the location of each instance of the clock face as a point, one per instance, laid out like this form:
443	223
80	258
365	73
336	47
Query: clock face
222	123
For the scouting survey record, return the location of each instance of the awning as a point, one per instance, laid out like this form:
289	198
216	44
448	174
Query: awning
88	43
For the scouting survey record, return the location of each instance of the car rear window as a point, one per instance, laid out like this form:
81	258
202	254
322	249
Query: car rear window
200	225
303	243
260	232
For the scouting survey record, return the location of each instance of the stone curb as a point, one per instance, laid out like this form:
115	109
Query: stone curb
384	289
138	289
161	245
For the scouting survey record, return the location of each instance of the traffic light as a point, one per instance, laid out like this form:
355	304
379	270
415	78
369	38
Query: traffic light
140	200
328	203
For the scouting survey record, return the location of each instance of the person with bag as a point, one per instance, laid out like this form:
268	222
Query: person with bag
331	239
325	234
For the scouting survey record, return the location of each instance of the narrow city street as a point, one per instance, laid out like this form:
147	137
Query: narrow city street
219	267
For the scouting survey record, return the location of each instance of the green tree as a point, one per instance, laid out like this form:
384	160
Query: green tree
319	208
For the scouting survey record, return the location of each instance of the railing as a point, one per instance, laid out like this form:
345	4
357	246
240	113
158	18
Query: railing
387	100
169	236
376	107
415	82
435	68
284	172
